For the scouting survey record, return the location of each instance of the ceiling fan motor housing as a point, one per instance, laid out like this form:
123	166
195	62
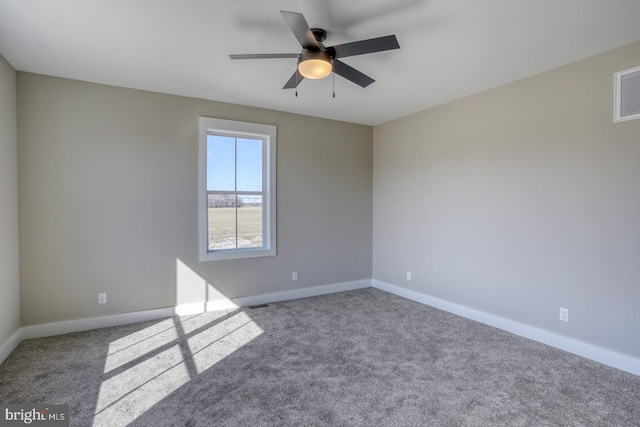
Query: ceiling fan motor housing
319	34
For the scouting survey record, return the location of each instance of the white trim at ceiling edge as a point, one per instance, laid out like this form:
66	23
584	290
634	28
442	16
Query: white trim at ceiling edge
598	354
68	326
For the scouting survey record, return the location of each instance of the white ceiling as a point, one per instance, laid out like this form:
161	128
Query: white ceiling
449	48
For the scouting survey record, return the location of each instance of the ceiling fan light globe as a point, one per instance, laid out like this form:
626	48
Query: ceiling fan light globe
315	69
315	65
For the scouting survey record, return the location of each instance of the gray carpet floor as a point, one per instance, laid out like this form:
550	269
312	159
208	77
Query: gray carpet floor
359	358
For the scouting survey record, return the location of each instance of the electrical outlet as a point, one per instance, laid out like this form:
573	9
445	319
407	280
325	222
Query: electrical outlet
564	314
102	298
294	276
408	275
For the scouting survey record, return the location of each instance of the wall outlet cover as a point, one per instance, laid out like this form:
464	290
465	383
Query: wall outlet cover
564	314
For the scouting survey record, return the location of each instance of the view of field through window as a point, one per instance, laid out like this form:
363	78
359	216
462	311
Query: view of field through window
224	222
234	192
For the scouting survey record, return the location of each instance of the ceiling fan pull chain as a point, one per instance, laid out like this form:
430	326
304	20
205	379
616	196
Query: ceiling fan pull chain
296	82
334	84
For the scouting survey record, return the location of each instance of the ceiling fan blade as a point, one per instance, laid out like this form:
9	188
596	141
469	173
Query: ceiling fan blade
361	47
294	81
350	73
301	30
265	55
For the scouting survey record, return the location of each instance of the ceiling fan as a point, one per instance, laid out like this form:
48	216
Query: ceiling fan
316	61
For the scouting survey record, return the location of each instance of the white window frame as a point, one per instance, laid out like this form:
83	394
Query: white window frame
617	108
267	133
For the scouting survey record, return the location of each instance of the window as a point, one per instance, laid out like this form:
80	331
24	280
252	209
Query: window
237	190
627	95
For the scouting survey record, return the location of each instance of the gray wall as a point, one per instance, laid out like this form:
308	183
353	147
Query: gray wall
518	201
9	278
108	201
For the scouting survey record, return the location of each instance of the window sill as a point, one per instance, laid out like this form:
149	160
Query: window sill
236	254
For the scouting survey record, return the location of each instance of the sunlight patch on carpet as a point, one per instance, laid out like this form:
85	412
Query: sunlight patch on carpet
138	344
210	347
145	367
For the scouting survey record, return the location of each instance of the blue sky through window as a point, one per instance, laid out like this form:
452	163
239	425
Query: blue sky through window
226	172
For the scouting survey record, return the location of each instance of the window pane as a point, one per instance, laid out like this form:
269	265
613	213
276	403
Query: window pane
250	221
249	164
221	159
221	222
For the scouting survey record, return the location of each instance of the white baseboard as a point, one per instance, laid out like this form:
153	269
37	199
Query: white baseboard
303	293
67	326
9	345
599	354
590	351
202	307
225	304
